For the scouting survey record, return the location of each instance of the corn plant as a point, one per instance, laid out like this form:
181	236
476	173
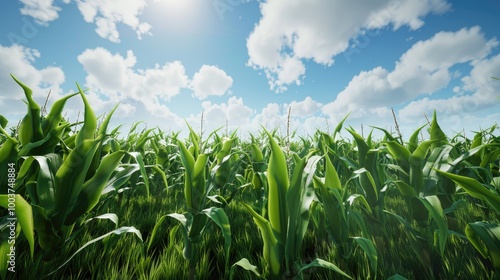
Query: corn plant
340	211
60	187
288	214
195	220
484	235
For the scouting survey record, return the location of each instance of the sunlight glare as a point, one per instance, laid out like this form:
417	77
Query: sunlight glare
181	14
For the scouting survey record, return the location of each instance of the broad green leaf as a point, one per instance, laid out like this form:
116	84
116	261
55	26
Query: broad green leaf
142	168
324	264
104	125
52	120
339	126
299	197
370	251
334	210
92	189
48	239
278	183
3	121
45	185
220	218
475	189
353	197
437	135
70	178
400	153
108	216
89	127
118	231
433	205
120	178
362	146
332	180
413	142
245	264
270	249
23	214
486	239
152	237
405	189
368	184
30	129
8	157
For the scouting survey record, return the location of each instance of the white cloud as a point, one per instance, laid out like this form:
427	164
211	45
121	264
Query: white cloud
106	14
423	69
483	94
43	11
112	76
290	32
210	80
305	108
235	112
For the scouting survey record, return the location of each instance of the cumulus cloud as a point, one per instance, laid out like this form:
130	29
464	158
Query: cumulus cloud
209	81
422	70
479	92
114	78
104	14
43	11
305	108
235	112
291	32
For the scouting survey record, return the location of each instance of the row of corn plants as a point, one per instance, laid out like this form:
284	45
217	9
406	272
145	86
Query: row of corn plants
326	189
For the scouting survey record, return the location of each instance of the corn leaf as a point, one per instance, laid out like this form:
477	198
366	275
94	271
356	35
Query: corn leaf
324	264
24	215
30	129
299	198
70	178
245	264
486	239
48	239
90	121
220	218
433	206
92	189
278	183
475	189
270	242
370	251
118	231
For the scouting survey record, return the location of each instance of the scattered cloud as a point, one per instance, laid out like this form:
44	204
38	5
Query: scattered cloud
235	112
43	11
305	108
113	77
291	32
104	14
422	70
480	92
209	81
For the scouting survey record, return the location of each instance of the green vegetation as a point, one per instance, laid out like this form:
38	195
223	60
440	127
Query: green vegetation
92	204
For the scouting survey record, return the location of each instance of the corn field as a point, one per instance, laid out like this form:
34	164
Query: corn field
81	201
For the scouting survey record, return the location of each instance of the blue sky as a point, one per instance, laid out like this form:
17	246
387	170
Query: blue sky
246	61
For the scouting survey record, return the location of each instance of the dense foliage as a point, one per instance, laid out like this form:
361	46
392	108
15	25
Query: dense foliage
89	203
